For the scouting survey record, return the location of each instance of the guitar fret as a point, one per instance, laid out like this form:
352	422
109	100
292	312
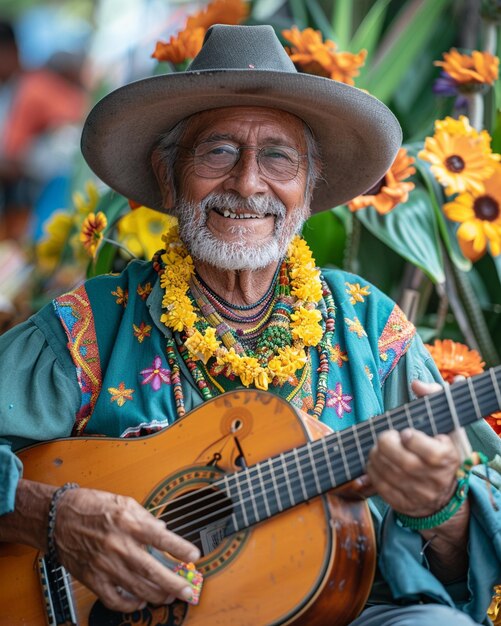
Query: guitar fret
241	500
359	449
287	481
329	463
373	431
228	492
252	496
473	395
263	489
431	419
300	474
452	407
275	485
408	415
345	462
497	391
388	419
314	469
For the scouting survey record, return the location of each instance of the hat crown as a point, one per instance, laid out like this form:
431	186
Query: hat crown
242	47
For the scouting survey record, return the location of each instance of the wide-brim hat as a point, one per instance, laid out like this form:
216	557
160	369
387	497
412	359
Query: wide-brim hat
357	134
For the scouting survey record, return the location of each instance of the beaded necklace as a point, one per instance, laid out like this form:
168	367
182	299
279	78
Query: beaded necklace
281	348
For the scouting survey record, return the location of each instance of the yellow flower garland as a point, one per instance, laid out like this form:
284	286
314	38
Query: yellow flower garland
306	327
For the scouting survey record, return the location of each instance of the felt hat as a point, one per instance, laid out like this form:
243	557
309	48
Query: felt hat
357	134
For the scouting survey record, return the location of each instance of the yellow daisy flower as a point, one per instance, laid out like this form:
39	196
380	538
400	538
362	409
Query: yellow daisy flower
50	248
83	205
461	158
480	218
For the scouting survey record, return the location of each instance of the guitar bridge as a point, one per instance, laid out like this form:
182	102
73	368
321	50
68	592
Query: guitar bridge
56	588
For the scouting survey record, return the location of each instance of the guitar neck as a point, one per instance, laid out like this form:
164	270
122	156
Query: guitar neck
300	474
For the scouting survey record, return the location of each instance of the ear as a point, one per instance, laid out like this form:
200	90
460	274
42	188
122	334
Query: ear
165	180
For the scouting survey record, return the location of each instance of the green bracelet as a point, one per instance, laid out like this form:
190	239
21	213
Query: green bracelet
454	504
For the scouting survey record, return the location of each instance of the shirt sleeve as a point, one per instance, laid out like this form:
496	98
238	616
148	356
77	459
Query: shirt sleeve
39	393
401	560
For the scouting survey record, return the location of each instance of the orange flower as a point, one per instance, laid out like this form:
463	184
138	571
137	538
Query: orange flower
455	359
391	190
91	233
187	44
320	58
494	422
219	12
470	70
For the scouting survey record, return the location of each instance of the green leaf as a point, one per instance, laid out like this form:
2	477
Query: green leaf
411	230
325	233
370	28
264	9
103	263
497	264
401	45
299	14
342	22
319	19
447	228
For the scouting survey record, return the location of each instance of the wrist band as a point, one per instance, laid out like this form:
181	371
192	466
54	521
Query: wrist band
454	504
51	520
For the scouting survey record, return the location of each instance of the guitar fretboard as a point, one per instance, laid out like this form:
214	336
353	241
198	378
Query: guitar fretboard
300	474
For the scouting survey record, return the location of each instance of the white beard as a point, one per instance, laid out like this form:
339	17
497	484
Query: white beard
240	254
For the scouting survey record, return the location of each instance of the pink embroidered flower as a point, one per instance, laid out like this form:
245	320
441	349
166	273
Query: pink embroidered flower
155	375
338	400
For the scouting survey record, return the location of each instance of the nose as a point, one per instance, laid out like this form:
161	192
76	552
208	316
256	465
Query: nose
246	178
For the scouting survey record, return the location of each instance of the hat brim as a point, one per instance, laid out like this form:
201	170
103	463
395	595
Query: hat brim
357	134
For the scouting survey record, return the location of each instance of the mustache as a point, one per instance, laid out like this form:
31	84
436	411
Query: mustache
259	205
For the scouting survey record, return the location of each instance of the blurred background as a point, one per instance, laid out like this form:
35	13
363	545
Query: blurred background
58	58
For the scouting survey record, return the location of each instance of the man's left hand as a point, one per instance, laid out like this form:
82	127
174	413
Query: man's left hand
414	473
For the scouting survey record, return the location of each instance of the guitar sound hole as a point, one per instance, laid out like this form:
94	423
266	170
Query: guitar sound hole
200	516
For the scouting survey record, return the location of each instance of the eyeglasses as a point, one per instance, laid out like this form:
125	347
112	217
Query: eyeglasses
212	159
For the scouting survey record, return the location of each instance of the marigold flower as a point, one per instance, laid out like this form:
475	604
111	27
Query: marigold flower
188	43
204	346
185	45
219	12
391	190
461	157
314	56
455	359
305	326
470	71
480	218
91	233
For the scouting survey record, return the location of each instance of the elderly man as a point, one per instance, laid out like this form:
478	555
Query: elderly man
240	148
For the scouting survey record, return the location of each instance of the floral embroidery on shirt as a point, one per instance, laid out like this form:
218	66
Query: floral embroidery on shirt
144	291
370	375
120	394
338	355
355	326
339	400
155	375
142	331
357	292
122	296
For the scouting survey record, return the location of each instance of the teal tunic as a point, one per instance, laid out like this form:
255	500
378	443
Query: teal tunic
94	362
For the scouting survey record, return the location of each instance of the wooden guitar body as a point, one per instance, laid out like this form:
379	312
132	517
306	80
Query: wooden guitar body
312	564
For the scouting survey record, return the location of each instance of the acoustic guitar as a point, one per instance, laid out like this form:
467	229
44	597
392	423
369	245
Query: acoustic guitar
243	478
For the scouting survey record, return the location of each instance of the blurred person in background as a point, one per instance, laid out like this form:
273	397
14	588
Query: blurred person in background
35	106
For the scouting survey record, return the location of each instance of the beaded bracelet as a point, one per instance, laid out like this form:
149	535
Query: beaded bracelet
454	504
51	520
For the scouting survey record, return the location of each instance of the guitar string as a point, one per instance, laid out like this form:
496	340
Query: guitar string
438	417
351	433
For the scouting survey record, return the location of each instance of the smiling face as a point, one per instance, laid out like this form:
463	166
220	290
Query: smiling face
241	219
